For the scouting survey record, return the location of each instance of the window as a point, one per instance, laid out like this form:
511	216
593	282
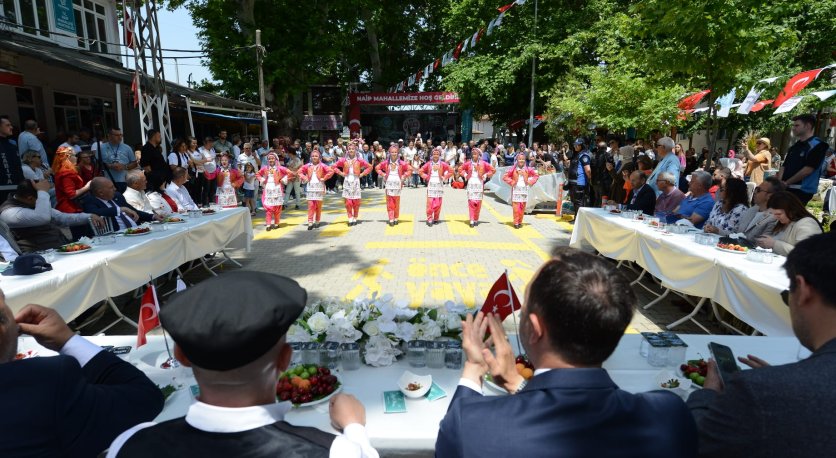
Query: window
25	104
76	112
29	15
90	20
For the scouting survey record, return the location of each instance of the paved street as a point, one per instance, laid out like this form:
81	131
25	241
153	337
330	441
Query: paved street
426	266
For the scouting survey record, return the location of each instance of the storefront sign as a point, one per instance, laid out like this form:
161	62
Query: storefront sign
404	98
63	12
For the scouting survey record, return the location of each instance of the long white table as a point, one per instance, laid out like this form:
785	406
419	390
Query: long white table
78	281
414	432
748	290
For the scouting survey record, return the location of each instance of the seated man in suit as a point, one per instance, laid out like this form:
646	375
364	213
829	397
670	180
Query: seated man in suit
71	405
34	223
782	410
642	197
237	355
106	202
576	309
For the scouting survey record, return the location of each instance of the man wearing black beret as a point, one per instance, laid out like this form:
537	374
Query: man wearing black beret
234	340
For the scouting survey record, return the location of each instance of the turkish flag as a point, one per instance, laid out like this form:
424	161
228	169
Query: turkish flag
149	315
688	103
795	84
501	300
458	51
507	7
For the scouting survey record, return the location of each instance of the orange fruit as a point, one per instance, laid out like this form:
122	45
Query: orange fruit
527	373
520	367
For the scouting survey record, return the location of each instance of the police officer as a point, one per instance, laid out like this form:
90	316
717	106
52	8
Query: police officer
601	179
578	165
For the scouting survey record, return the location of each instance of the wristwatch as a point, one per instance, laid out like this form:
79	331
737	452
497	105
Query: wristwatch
520	386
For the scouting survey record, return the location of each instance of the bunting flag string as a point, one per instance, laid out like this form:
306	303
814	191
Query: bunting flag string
467	44
785	102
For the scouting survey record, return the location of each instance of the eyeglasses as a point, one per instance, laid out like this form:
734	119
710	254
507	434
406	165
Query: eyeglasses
758	189
785	295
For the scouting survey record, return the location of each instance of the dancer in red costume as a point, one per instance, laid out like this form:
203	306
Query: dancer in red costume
228	180
315	174
395	173
273	178
475	172
435	172
352	168
520	178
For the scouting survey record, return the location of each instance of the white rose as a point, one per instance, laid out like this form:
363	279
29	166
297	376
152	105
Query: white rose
406	331
318	322
454	322
387	326
371	328
297	333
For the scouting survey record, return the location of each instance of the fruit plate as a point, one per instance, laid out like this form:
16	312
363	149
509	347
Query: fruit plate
172	221
73	252
136	234
325	399
731	251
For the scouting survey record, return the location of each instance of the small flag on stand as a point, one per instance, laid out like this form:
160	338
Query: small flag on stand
502	299
149	315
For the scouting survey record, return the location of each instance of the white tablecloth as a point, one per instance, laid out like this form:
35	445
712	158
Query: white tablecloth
545	190
748	290
80	280
415	431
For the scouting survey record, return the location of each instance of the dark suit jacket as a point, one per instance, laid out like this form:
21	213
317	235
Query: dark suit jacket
778	411
645	201
52	407
97	207
567	413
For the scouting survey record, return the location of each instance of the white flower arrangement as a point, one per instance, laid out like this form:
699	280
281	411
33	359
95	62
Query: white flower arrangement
381	323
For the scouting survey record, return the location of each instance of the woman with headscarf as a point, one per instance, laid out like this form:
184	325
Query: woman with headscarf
520	178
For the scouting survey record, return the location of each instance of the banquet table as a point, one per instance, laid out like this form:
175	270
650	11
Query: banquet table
414	433
545	190
748	290
78	281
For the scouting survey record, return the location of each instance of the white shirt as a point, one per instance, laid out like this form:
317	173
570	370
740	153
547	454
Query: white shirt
180	195
353	442
184	159
138	200
6	250
75	148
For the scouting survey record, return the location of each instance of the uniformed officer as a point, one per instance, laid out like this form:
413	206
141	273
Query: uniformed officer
579	173
234	340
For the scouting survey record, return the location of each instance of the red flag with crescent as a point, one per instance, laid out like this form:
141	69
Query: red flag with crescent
502	299
149	315
688	103
796	84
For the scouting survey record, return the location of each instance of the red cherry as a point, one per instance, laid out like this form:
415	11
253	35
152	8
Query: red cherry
314	380
284	395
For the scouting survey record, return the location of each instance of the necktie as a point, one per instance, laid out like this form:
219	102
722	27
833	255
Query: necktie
125	220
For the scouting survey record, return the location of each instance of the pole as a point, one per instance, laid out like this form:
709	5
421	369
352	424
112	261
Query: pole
259	50
189	111
119	107
533	72
177	69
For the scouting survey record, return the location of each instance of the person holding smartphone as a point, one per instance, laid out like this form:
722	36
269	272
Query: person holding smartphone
784	410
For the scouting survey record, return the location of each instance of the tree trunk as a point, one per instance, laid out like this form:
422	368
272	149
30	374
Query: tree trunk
246	14
374	50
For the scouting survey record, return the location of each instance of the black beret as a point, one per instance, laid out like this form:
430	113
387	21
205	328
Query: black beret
229	321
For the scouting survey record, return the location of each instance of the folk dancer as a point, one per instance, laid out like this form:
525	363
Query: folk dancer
273	178
228	180
520	178
315	174
435	172
352	168
475	172
396	172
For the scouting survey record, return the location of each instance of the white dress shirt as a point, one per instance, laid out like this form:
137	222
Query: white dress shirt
353	442
138	200
180	195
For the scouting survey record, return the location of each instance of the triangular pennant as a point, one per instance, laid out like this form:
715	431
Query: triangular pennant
725	103
760	106
749	101
436	63
507	7
688	103
788	104
458	51
491	25
824	95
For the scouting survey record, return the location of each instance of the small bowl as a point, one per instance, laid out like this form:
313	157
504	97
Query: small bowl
425	381
684	383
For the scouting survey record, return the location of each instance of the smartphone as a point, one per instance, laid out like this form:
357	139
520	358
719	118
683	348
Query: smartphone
726	363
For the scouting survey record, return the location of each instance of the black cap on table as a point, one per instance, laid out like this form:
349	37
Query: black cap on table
229	321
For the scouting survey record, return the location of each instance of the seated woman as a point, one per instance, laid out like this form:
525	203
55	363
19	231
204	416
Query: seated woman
727	211
32	167
69	186
794	224
86	168
161	202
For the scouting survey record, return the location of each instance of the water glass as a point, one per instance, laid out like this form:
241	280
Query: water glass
296	356
416	353
453	355
676	353
350	356
49	255
310	353
329	355
657	355
435	354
